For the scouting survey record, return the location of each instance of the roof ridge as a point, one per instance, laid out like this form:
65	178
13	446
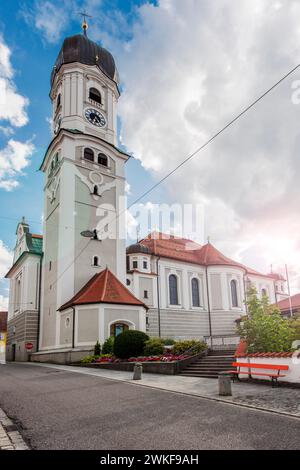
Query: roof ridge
106	271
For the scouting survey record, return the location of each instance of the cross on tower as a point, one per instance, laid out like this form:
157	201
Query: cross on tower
84	23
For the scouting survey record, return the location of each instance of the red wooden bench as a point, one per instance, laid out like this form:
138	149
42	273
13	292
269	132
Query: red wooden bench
251	369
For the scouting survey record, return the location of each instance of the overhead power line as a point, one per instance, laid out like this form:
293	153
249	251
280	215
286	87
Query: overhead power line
221	131
192	155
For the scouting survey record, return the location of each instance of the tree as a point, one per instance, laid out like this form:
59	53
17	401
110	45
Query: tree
97	349
295	325
130	343
264	329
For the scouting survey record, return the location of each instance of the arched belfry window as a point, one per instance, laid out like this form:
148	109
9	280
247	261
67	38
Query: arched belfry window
102	159
88	154
173	289
95	261
195	292
95	95
95	190
234	293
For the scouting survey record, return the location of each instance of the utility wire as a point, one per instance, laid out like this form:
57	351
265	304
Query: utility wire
221	131
199	149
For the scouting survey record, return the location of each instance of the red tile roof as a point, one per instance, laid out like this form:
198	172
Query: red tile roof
3	321
270	354
186	250
103	287
284	305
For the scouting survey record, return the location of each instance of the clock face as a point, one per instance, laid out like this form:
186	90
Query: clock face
94	117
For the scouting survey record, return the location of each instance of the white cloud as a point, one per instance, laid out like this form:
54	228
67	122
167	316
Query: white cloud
7	131
13	159
188	69
51	19
6	257
12	104
3	303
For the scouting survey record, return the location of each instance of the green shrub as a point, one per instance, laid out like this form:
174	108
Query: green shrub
97	349
168	341
88	359
264	329
108	346
182	346
130	343
295	325
154	347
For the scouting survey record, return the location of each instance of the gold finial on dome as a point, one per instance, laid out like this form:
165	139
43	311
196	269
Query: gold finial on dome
84	23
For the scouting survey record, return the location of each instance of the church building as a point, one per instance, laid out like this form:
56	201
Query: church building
76	284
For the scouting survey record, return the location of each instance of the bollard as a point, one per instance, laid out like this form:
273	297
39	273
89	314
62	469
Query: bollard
224	384
137	371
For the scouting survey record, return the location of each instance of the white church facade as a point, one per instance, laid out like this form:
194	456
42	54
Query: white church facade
75	285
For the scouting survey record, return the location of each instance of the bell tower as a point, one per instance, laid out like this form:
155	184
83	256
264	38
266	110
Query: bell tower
84	89
84	179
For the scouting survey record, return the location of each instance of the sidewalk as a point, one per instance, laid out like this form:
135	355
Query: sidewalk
281	400
10	438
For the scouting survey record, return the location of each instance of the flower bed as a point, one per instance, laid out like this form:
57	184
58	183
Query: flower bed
163	358
168	364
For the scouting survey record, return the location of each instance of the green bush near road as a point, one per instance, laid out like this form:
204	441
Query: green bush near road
181	347
89	359
108	345
97	349
154	347
130	343
168	341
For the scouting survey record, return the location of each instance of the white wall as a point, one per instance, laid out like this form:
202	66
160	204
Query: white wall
292	375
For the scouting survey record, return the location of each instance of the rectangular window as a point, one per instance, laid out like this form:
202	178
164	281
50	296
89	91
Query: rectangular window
145	265
50	265
145	294
134	264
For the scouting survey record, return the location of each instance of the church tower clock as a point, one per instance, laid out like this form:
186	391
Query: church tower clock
84	179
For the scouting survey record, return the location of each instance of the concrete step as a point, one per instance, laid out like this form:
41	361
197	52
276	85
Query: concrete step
207	376
200	367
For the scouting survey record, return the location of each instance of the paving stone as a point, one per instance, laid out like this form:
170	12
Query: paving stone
10	438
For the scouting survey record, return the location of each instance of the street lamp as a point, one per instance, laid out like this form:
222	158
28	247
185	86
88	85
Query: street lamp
92	234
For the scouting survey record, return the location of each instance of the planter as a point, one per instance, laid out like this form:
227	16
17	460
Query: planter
167	368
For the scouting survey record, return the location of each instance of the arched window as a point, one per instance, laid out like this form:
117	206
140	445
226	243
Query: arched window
234	294
88	154
195	292
95	261
264	293
95	190
173	289
102	159
58	101
95	95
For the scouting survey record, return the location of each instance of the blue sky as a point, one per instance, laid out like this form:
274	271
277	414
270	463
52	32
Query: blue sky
186	67
32	59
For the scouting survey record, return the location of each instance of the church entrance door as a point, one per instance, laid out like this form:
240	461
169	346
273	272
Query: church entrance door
118	328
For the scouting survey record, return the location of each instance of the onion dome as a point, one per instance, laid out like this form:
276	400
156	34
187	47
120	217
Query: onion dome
80	48
138	248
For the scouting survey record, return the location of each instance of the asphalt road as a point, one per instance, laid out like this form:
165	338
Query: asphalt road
62	410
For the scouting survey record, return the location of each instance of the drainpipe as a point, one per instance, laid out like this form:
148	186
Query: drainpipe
73	329
208	306
158	296
39	305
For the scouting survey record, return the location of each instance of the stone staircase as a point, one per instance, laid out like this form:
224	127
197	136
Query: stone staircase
210	365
